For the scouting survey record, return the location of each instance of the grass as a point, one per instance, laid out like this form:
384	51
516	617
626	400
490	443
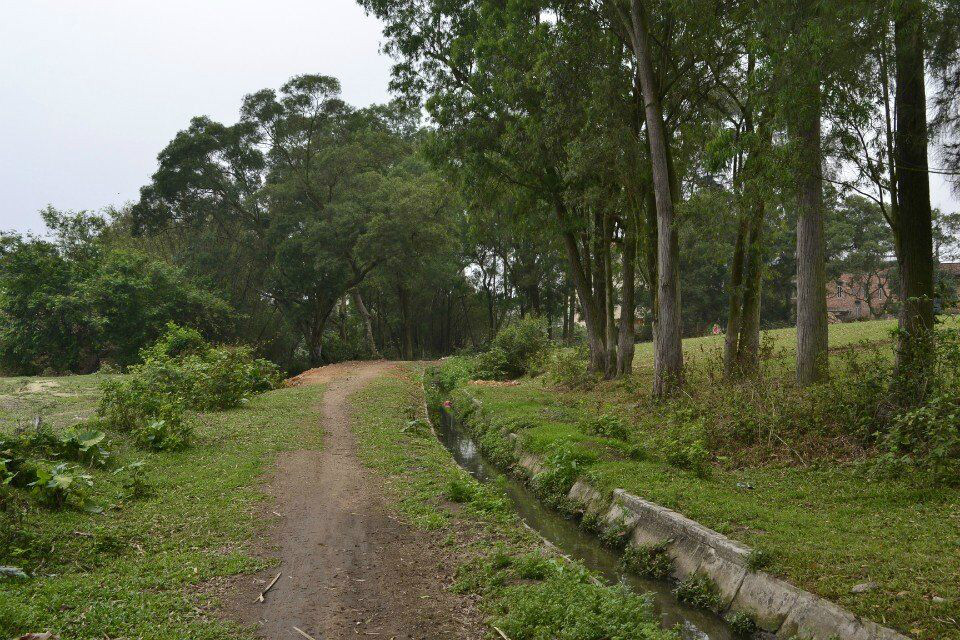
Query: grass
782	341
522	588
60	401
822	516
149	568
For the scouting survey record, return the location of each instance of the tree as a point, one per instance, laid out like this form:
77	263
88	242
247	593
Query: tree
291	186
914	223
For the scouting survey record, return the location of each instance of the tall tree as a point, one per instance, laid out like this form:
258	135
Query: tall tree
914	228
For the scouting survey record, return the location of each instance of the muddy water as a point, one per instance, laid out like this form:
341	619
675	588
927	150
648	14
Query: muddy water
695	624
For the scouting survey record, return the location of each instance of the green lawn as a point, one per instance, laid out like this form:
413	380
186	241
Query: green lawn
826	518
147	568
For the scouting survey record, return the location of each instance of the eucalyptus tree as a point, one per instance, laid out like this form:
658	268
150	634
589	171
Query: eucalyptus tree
508	89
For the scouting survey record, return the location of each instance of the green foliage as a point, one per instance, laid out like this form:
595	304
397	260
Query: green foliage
651	561
165	431
68	304
564	466
454	372
459	490
684	445
567	367
607	426
176	341
759	559
514	350
570	607
492	364
61	485
742	624
152	399
615	535
699	590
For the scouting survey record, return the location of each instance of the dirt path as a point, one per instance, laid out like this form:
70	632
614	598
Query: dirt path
348	569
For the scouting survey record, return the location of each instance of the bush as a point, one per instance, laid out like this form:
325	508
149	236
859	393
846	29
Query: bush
607	426
514	350
699	590
164	432
175	342
651	561
152	399
567	367
452	373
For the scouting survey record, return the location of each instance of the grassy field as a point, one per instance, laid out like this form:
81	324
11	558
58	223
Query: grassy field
522	588
147	567
814	502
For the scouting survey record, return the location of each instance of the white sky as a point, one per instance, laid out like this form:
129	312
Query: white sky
92	90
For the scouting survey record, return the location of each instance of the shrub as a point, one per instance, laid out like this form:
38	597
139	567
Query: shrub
759	559
176	341
492	365
514	350
699	590
452	373
685	447
459	491
567	367
571	607
152	399
61	485
607	426
616	535
651	561
564	466
164	432
742	625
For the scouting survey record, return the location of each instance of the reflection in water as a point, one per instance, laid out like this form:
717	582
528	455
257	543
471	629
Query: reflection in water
695	624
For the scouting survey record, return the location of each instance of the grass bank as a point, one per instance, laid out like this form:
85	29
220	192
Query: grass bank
523	589
151	564
779	472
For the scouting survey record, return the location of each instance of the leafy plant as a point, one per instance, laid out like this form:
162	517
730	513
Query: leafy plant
742	624
459	491
567	367
607	426
61	485
758	559
699	590
651	561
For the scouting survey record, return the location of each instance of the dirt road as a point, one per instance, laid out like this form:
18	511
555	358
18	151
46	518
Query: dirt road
348	568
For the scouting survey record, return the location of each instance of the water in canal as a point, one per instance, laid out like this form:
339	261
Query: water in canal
696	624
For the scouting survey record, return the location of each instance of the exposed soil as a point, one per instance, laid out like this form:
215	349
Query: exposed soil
348	568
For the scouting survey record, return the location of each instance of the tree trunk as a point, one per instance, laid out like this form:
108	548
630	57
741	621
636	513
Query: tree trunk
591	316
748	348
914	221
812	365
731	342
626	339
668	350
367	324
609	301
407	320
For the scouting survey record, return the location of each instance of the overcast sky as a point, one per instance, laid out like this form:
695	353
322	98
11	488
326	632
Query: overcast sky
92	90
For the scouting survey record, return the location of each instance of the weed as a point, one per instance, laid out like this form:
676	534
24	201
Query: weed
699	590
607	426
759	559
615	535
742	624
460	491
651	561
